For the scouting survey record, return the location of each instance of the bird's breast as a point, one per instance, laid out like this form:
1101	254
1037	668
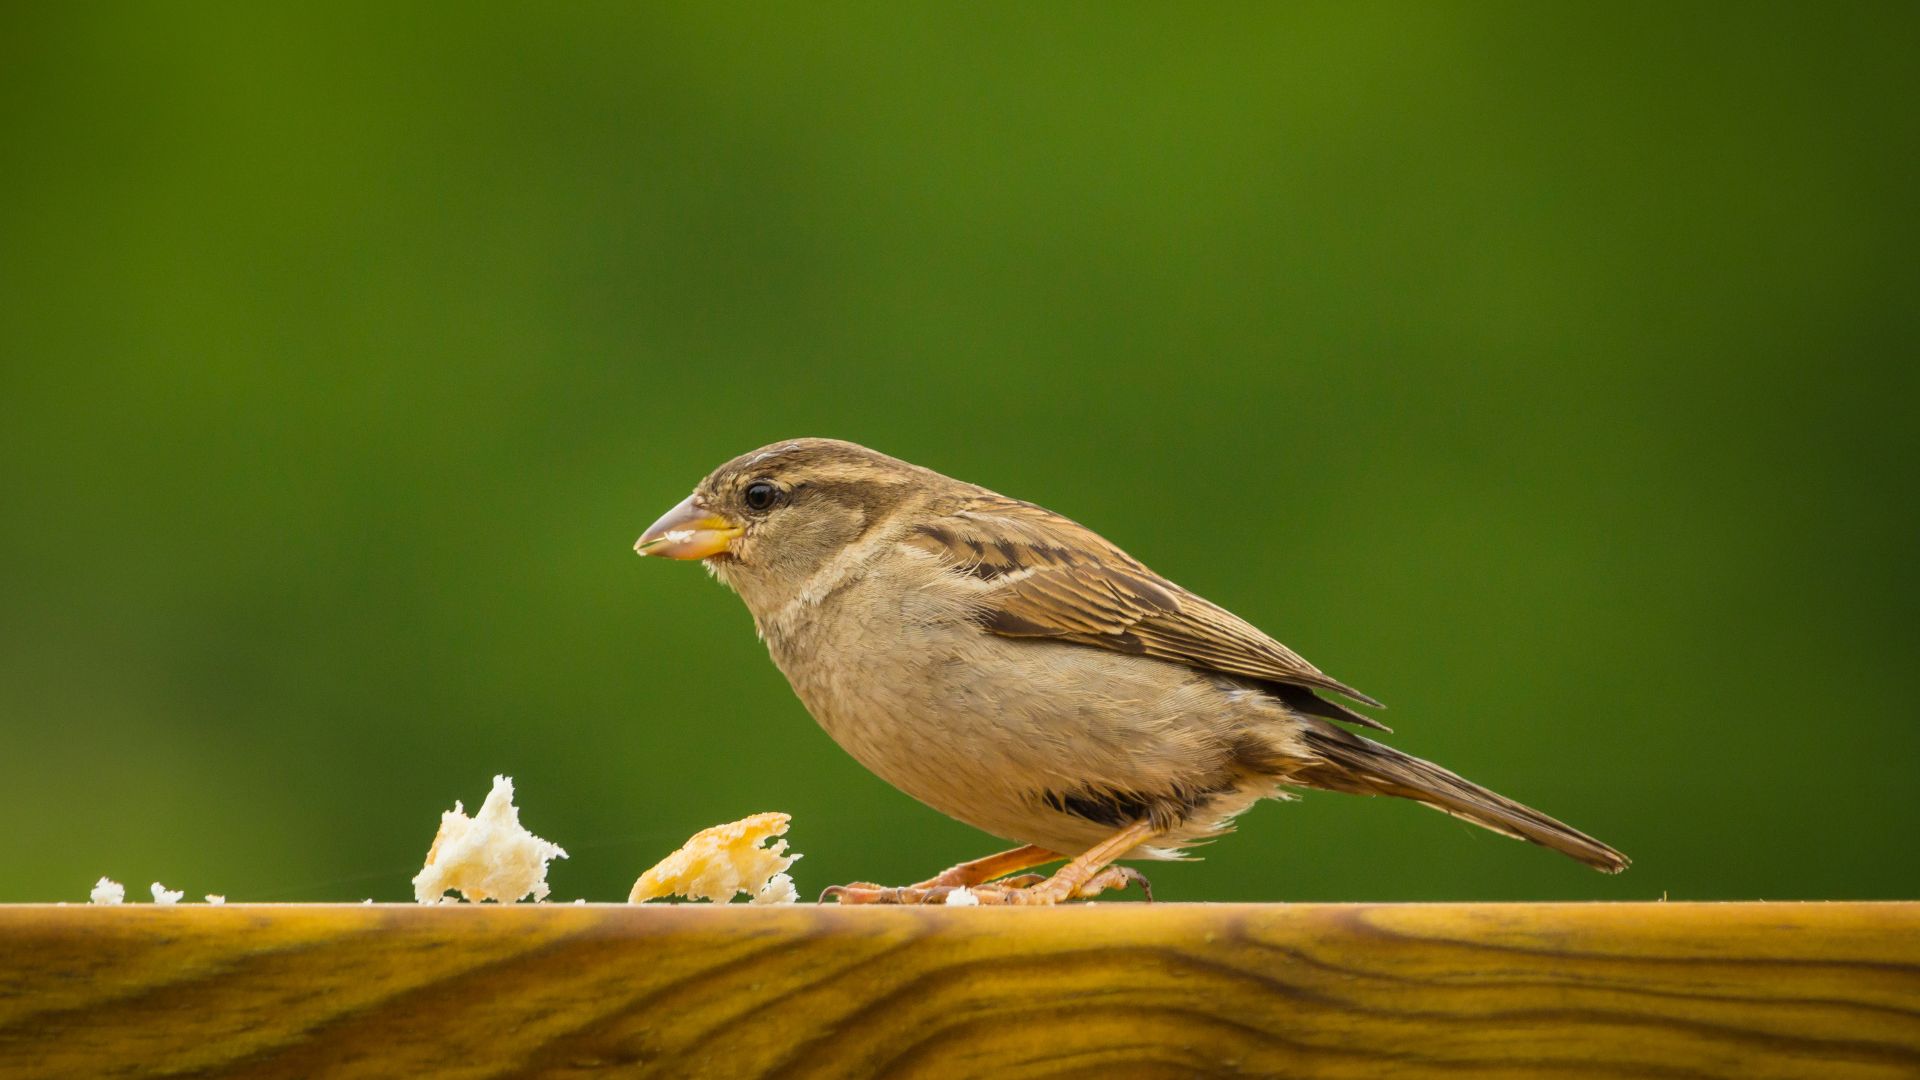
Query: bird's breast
870	639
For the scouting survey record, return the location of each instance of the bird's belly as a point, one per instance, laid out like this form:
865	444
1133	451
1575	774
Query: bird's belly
983	728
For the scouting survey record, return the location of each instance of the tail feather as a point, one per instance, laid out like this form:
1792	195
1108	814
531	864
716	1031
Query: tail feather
1350	763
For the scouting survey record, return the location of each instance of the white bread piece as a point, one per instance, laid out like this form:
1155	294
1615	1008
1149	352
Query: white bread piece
216	898
489	856
107	891
718	863
164	895
778	890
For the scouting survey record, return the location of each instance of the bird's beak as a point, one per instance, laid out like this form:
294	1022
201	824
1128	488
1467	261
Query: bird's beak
688	531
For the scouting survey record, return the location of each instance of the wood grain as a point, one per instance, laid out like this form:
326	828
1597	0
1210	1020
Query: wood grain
1114	990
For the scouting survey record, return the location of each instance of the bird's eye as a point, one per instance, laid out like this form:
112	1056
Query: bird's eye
761	495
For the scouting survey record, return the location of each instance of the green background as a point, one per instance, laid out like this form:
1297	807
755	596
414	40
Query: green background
1548	373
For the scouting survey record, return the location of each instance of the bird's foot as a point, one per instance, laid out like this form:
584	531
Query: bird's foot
1061	887
934	890
927	892
1087	876
1024	890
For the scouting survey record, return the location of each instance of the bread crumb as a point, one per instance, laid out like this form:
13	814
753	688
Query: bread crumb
164	895
216	898
725	860
107	891
489	856
778	890
963	897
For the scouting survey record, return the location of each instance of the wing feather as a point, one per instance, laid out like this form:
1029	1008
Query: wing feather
1048	577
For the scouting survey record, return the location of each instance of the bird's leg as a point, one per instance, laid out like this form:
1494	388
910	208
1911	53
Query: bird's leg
981	871
1083	877
936	888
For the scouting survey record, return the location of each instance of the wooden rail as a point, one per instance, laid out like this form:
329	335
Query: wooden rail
1110	990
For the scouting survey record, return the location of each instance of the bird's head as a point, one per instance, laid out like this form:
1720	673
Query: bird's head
767	521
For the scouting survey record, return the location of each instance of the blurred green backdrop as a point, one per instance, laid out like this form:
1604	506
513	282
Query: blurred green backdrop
1549	373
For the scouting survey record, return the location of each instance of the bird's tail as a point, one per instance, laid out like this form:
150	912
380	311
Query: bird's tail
1358	765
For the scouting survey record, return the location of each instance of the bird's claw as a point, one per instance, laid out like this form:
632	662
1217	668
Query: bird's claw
865	892
837	892
1022	890
1117	877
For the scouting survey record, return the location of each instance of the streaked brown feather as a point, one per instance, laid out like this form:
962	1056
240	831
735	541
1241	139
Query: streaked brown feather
1054	578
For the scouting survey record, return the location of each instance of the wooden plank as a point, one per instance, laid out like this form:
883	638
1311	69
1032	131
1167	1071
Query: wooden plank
1115	990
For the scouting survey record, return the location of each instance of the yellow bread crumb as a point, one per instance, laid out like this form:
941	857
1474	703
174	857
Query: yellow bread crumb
720	862
489	856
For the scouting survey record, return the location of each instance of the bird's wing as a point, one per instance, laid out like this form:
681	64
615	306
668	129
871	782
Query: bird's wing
1049	577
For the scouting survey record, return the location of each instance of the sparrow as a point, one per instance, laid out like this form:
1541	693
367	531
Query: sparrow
1012	669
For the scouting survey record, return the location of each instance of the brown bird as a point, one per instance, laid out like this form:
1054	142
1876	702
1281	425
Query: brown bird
1012	669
